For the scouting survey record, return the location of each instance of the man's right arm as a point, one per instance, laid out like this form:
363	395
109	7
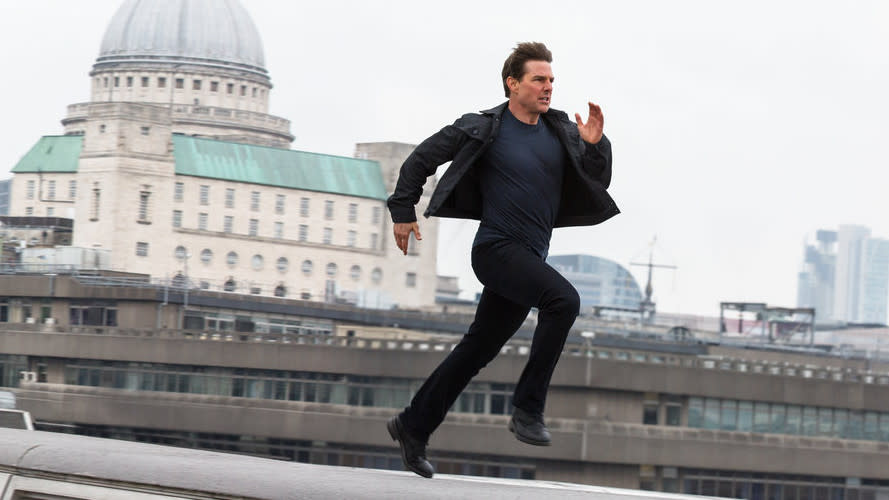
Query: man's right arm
438	149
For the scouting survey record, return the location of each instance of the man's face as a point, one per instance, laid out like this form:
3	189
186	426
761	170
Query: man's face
533	92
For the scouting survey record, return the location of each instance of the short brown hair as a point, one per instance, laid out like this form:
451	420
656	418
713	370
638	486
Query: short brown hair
514	65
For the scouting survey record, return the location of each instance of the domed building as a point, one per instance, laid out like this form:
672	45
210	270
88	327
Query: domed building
176	169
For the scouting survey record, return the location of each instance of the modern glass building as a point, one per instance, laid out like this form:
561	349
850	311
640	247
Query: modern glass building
600	282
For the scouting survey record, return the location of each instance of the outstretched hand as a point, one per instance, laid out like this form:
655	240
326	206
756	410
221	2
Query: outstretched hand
591	131
402	231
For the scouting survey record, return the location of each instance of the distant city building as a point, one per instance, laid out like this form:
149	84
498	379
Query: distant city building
600	282
845	276
175	168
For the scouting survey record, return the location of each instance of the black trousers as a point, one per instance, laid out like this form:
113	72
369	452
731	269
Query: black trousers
515	279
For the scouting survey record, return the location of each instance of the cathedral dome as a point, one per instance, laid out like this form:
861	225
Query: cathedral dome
212	33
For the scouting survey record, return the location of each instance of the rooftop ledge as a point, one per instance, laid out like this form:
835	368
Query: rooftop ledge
43	463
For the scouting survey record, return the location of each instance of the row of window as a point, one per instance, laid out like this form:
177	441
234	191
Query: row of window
228	224
778	418
179	83
353	390
50	193
772	486
280	203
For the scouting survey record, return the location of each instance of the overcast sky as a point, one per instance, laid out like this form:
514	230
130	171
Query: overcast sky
738	128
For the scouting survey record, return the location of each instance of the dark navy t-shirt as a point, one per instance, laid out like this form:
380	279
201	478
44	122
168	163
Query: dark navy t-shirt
521	183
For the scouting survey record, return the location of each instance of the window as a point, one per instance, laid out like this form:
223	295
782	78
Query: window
205	194
229	198
410	280
29	211
202	221
144	81
97	199
117	81
180	252
229	88
373	241
279	204
102	128
279	230
214	86
303	232
331	270
180	83
254	91
280	291
207	256
231	259
229	285
50	211
196	85
29	190
353	212
376	275
254	227
649	414
254	201
350	238
303	207
129	81
72	190
227	224
144	197
145	130
412	245
328	236
51	190
307	267
328	209
243	90
282	265
673	414
141	249
179	191
257	262
377	215
355	272
161	82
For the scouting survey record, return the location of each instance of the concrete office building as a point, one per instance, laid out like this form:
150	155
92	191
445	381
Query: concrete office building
175	166
314	382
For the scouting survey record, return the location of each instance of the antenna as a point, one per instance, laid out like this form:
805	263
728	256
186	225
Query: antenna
647	306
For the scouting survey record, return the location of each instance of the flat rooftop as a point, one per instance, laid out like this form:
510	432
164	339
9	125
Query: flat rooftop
45	463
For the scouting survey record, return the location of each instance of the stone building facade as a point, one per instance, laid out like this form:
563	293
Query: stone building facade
176	167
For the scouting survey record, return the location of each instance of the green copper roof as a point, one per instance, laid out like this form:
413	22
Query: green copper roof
233	162
277	167
52	154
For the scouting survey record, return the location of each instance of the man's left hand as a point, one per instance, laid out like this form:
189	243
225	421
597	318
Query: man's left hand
591	131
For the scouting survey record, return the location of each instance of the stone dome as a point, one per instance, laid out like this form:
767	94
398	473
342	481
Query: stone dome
214	33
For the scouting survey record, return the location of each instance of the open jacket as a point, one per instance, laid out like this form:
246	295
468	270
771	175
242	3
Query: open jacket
584	199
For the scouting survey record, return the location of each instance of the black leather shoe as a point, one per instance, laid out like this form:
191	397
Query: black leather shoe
529	428
413	451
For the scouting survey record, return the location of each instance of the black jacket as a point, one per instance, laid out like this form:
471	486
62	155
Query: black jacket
584	201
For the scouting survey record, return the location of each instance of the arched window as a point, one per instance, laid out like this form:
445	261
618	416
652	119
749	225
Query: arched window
229	285
207	256
179	280
180	252
232	259
307	267
280	291
282	264
376	275
257	262
355	272
331	270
